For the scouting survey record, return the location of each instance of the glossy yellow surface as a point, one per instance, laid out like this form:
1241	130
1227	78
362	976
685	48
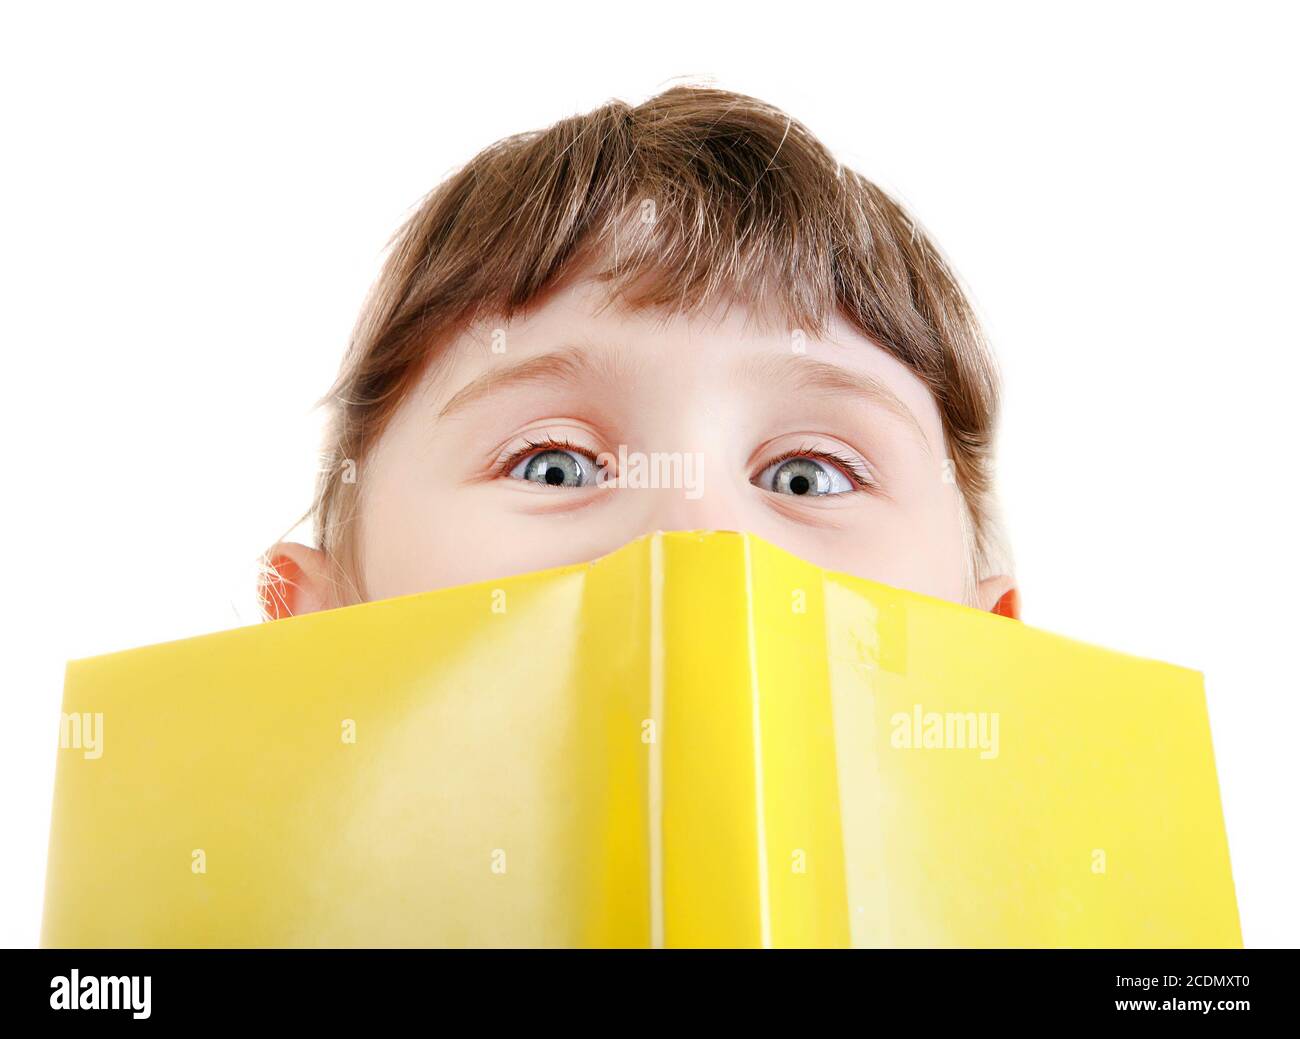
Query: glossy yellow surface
696	740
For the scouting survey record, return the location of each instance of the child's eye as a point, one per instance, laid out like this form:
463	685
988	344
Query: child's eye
812	476
557	467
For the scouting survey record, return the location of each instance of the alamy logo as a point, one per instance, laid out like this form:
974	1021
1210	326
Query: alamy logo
636	469
93	993
83	732
955	730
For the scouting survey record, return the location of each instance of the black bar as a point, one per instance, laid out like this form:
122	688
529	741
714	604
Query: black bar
876	989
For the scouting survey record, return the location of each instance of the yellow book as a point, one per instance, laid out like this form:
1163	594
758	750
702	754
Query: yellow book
697	740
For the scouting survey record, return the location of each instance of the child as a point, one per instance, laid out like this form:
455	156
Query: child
680	315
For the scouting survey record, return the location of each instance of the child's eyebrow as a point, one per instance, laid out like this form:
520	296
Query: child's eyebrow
804	374
568	364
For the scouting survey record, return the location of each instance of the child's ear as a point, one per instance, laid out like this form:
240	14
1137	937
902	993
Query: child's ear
999	595
295	580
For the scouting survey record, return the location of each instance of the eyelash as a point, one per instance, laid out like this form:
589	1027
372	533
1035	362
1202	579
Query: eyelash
852	470
505	466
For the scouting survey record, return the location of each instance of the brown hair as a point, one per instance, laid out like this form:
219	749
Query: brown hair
746	206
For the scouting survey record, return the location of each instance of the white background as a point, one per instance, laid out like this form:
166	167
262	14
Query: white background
193	202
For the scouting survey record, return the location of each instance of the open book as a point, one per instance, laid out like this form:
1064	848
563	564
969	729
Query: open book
697	740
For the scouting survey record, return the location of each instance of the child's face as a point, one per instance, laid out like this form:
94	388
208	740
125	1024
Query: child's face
829	448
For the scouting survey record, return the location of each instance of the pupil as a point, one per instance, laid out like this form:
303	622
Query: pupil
554	475
799	484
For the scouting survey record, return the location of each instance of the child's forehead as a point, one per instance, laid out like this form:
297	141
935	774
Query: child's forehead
583	316
582	338
586	313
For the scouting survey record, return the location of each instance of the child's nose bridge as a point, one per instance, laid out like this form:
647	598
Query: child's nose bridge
684	481
703	505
